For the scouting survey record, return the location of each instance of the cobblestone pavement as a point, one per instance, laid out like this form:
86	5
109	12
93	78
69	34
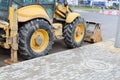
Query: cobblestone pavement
99	61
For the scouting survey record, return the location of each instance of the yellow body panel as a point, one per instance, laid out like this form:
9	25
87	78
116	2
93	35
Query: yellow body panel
71	17
31	12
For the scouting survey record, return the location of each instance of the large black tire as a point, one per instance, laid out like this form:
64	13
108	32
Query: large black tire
69	30
25	34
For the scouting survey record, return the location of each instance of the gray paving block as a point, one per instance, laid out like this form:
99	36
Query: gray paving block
100	61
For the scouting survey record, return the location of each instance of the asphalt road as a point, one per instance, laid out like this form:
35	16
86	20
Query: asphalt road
108	25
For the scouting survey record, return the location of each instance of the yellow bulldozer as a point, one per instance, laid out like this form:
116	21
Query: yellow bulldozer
29	27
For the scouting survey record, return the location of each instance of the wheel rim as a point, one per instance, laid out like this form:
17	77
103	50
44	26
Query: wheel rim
39	40
79	32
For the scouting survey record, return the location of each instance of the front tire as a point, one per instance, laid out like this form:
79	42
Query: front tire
74	33
35	39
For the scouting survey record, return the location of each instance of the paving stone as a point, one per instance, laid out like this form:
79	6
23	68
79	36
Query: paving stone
100	61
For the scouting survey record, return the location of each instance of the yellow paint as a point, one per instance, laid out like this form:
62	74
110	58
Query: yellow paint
59	14
71	17
5	26
61	8
43	35
79	33
61	11
11	16
57	28
13	28
31	12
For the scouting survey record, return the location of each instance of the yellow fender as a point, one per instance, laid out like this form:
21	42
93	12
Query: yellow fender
31	12
71	17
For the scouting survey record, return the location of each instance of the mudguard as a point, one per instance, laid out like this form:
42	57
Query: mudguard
31	12
71	17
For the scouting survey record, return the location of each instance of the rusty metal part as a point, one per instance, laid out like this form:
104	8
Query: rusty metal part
93	32
13	59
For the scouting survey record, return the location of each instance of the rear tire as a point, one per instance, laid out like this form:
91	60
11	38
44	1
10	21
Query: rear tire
70	33
28	47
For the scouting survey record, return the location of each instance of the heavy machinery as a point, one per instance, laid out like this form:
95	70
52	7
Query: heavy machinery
31	26
93	32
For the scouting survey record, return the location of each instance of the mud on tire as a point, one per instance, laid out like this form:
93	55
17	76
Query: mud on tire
69	31
25	34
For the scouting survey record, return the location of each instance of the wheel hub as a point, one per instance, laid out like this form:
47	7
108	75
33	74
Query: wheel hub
38	40
78	32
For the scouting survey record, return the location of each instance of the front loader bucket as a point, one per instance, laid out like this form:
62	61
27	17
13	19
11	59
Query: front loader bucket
93	32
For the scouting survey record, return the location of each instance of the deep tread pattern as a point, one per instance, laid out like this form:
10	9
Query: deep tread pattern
25	33
68	33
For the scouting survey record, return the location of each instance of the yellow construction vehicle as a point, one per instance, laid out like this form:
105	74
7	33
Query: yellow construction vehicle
31	26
